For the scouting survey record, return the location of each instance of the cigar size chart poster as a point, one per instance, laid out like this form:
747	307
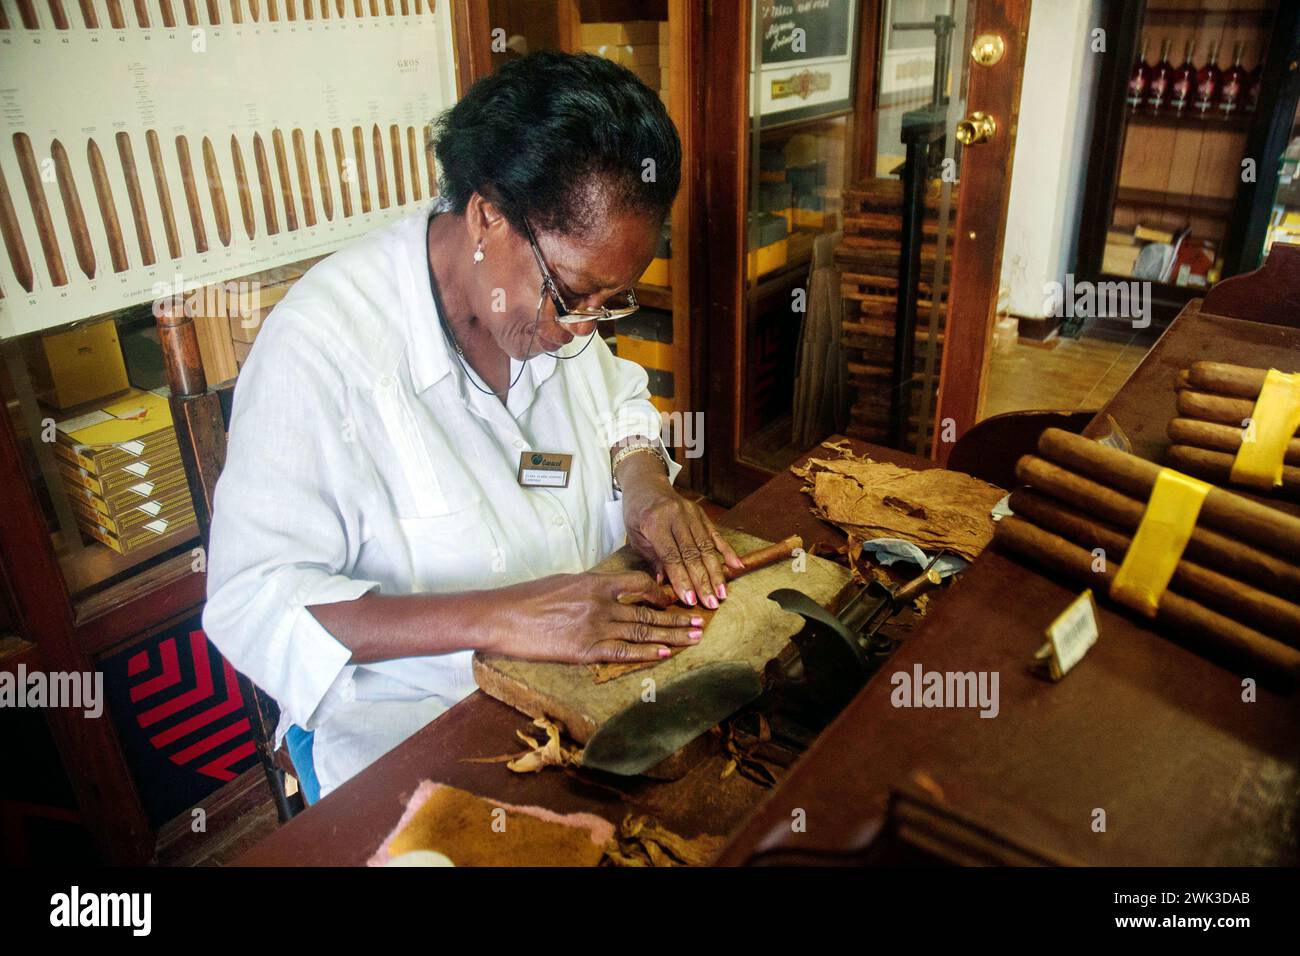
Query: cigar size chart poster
166	143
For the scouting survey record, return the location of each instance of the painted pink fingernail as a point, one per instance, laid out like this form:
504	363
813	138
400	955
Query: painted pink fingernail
690	597
697	621
710	602
722	591
664	652
696	635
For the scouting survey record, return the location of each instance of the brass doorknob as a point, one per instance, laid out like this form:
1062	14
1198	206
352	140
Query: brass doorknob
976	128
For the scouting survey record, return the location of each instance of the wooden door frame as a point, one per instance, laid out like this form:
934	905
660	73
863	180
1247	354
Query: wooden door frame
976	264
472	40
91	752
981	224
722	176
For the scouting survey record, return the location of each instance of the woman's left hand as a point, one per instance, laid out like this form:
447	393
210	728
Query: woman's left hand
673	534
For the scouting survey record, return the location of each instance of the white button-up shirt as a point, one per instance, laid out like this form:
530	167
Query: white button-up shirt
362	459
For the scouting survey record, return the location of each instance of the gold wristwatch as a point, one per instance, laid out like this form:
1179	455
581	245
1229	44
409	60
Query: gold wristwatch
630	447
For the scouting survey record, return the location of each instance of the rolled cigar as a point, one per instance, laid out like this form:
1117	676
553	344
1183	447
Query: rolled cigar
1199	434
1185	618
1272	615
761	558
1216	466
1214	408
1267	528
1208	547
1239	381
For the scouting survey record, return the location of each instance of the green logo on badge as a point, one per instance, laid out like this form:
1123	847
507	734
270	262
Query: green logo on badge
537	459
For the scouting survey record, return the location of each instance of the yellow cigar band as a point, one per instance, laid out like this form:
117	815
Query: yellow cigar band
1273	424
1158	545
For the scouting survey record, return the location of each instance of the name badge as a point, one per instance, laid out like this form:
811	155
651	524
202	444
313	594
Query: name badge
544	469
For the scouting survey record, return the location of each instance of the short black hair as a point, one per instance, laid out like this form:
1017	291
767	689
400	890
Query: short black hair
551	135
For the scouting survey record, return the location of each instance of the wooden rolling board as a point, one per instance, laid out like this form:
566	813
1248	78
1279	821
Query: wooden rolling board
692	690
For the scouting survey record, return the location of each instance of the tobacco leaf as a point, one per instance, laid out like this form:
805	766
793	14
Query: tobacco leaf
743	756
643	841
933	509
539	755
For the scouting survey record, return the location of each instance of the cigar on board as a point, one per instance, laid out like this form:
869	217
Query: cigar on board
1222	552
1189	620
1274	616
761	558
1216	466
1214	408
1222	378
1233	514
1218	437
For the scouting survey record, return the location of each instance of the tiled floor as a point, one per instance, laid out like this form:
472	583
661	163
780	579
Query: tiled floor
1075	374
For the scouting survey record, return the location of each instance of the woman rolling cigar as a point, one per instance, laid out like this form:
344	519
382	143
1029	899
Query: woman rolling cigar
431	443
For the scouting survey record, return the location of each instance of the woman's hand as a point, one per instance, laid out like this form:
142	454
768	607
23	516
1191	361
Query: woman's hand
674	534
579	619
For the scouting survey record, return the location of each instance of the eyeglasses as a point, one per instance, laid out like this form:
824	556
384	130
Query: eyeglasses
563	314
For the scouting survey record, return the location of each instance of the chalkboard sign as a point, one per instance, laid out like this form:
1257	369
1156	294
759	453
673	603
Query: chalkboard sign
806	70
795	30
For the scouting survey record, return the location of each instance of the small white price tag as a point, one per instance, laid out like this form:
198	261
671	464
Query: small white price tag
1070	636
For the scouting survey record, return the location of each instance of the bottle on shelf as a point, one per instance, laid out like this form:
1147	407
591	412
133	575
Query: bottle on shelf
1137	80
1158	82
1183	85
1233	88
1208	79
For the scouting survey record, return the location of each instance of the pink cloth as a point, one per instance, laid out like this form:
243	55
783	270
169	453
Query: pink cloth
600	829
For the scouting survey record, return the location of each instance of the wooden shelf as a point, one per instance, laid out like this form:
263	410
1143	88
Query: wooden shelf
1212	206
1238	122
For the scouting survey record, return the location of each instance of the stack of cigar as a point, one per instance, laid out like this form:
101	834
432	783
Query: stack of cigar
1215	404
1235	594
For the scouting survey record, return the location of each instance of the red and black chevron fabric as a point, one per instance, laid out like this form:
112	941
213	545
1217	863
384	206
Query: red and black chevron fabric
179	711
215	738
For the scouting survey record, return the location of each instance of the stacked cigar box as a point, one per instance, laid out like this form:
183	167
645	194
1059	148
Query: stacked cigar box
639	45
121	467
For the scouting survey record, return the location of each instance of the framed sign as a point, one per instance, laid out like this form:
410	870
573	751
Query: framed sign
804	52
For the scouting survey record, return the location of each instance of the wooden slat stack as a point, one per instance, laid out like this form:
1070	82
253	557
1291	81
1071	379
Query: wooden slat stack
868	262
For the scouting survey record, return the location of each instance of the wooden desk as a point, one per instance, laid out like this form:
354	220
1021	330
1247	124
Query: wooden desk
1153	734
347	826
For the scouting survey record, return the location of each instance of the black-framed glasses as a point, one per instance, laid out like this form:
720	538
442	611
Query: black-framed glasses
567	316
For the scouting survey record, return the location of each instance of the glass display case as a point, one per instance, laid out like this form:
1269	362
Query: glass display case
89	407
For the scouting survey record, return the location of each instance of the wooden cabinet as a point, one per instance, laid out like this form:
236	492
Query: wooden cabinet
1182	197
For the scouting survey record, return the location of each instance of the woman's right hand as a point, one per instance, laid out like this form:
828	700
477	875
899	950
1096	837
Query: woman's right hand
578	619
